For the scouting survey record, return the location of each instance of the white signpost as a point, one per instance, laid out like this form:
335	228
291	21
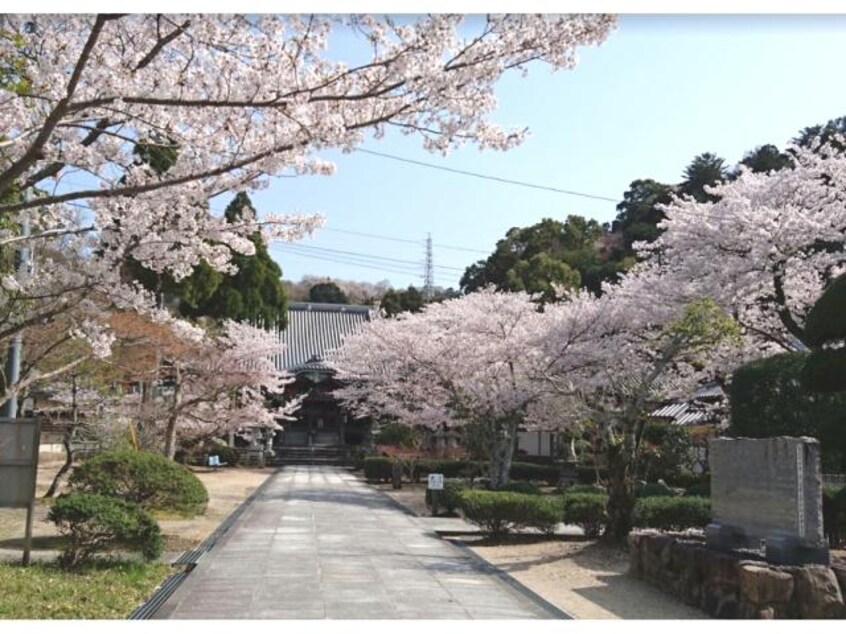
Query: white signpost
19	440
436	485
436	481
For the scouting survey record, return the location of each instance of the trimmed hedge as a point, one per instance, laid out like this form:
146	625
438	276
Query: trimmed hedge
586	510
378	468
147	479
653	489
450	468
702	489
672	513
584	488
587	474
768	399
449	499
535	472
96	523
520	486
498	512
834	514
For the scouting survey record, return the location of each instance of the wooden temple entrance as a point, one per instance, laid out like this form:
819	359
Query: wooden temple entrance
321	424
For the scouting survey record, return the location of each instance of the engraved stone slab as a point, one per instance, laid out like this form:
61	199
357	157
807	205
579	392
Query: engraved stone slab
768	488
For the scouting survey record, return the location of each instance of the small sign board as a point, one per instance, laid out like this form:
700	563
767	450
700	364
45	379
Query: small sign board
436	481
19	439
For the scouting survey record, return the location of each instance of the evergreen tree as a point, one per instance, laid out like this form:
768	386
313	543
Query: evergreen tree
327	293
547	254
255	293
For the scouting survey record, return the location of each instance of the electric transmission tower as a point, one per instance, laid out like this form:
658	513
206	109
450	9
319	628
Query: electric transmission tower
429	272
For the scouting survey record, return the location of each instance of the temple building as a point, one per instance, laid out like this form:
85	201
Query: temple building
321	422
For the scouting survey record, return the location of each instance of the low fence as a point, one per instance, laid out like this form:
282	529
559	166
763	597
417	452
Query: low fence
834	478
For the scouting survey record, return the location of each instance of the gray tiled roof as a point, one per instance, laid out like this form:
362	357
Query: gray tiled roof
314	329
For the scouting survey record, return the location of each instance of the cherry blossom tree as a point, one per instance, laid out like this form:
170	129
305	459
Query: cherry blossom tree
217	383
764	250
635	357
474	359
117	130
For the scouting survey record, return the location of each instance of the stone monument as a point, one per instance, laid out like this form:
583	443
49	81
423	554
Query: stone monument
767	492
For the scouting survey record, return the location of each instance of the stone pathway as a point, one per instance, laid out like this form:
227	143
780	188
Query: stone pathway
319	543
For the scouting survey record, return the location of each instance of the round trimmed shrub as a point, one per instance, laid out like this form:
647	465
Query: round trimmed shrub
498	512
97	523
586	510
147	479
378	468
672	513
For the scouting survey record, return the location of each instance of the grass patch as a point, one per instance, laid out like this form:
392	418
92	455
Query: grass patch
101	590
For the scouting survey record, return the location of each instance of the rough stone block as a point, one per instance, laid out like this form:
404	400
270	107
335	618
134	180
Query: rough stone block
763	585
818	594
840	573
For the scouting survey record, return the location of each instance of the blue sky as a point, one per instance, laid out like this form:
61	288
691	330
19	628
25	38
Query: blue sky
659	91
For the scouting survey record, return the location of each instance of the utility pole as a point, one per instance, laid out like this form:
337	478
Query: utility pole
429	273
13	363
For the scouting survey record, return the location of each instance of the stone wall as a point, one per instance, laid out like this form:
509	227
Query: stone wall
727	586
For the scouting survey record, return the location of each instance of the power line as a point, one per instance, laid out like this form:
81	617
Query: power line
507	181
337	260
405	240
368	256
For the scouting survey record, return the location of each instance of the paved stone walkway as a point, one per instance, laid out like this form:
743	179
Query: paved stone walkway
319	543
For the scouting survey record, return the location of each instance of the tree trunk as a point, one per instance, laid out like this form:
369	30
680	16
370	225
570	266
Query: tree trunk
621	499
396	474
170	432
67	441
504	441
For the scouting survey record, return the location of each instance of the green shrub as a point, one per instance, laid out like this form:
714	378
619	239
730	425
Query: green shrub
701	489
546	460
498	512
450	468
834	514
653	489
768	399
449	499
665	452
586	510
584	488
229	456
396	435
378	468
672	513
97	523
687	479
518	486
147	479
535	472
586	474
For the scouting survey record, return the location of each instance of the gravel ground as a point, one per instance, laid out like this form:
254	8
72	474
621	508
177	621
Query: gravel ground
227	489
586	579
